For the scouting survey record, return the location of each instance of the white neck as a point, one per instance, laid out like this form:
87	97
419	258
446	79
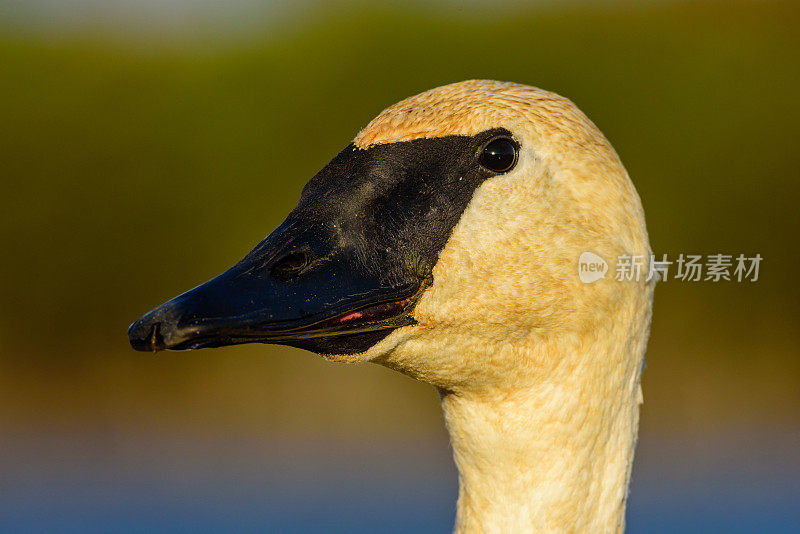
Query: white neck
554	456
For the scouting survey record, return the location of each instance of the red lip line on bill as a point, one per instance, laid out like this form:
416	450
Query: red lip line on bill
370	313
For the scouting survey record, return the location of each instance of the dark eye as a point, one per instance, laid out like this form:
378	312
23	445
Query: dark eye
499	155
290	265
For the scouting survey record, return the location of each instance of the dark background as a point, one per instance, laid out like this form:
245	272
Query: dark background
143	149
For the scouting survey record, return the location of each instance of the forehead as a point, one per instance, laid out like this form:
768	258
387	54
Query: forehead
419	170
464	108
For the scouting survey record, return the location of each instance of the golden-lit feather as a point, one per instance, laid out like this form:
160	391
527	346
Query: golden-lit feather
539	373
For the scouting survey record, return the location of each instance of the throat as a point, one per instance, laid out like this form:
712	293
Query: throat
553	457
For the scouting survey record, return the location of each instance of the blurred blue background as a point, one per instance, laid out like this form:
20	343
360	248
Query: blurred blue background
147	145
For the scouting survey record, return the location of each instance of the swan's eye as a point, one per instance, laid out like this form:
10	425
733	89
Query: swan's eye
290	265
499	155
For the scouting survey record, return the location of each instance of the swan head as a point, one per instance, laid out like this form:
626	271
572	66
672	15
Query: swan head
443	243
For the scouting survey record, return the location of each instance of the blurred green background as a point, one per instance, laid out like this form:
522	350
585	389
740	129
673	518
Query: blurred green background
145	147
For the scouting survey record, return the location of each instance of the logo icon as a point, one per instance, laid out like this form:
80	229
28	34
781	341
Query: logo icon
591	267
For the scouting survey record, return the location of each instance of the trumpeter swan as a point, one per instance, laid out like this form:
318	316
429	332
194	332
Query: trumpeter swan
444	243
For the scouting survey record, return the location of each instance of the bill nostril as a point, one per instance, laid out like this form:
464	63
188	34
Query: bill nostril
290	265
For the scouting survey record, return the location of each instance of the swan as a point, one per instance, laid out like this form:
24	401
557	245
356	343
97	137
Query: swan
443	243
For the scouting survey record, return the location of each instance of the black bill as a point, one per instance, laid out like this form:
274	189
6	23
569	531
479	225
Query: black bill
348	264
